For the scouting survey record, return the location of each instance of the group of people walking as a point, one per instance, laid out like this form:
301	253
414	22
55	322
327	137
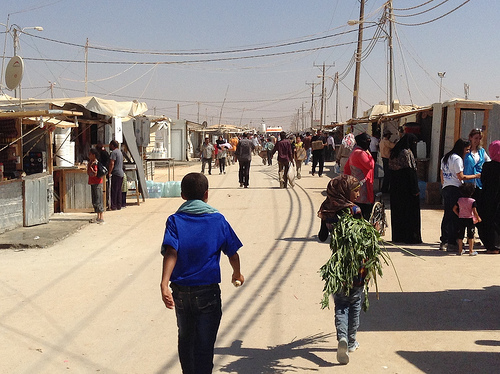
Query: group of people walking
292	151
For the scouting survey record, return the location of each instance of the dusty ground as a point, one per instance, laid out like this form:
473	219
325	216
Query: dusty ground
91	301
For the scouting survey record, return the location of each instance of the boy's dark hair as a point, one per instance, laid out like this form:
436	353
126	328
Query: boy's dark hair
113	143
95	152
194	186
467	189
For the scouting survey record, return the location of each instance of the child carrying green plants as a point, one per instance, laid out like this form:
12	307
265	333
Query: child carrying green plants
355	254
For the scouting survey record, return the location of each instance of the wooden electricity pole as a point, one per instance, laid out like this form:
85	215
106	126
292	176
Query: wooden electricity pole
355	92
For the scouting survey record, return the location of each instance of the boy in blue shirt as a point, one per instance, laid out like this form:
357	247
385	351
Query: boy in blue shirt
194	238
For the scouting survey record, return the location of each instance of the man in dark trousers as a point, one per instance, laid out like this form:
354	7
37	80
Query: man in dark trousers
244	154
318	153
116	173
285	157
307	147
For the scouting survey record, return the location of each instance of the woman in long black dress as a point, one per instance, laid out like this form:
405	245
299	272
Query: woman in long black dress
405	199
489	205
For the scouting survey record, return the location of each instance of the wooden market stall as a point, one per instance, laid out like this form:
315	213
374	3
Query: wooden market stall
26	154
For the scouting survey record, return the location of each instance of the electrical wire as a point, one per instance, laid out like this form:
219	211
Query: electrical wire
414	7
196	53
422	12
432	20
102	79
405	67
131	82
194	61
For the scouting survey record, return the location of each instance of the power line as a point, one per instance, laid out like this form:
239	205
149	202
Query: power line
422	12
192	61
432	20
414	7
194	53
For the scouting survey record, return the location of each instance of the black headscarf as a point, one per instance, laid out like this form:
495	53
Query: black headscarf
408	141
363	140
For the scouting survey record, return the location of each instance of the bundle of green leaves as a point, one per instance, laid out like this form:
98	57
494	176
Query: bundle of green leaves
355	246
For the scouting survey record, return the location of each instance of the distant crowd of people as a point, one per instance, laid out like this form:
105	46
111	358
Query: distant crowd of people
357	156
292	150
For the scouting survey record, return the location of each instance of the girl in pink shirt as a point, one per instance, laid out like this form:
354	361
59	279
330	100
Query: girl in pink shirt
465	209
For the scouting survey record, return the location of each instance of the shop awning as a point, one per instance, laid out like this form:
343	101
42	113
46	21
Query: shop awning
94	104
40	113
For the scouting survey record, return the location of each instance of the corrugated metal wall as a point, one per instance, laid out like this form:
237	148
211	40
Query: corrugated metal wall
38	199
11	205
77	193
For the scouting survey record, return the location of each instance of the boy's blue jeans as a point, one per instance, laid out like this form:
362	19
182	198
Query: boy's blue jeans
347	310
199	311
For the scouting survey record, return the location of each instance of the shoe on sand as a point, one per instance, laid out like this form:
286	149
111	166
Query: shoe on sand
354	346
342	352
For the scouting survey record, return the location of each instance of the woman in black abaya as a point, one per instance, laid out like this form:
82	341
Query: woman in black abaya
489	205
405	199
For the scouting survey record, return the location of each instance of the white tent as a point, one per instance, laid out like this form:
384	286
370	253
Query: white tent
94	104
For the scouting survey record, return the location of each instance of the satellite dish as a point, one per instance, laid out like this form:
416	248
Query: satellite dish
14	72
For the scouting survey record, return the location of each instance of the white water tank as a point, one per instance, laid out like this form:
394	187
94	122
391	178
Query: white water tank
421	150
65	149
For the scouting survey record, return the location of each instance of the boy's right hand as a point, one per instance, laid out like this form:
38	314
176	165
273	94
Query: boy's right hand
240	278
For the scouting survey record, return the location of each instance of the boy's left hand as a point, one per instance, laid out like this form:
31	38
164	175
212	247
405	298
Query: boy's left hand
166	296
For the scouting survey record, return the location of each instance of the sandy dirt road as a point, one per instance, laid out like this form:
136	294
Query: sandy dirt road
91	302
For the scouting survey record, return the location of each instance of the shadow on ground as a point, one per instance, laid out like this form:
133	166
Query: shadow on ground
450	310
270	360
453	362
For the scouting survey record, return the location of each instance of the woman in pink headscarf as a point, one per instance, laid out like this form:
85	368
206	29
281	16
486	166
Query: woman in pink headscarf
489	207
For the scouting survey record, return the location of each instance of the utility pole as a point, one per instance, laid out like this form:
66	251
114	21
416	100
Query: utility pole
391	58
52	84
355	92
322	97
337	97
298	119
323	109
312	101
86	66
302	118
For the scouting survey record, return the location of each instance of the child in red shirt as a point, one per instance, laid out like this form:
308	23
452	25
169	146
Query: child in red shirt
95	185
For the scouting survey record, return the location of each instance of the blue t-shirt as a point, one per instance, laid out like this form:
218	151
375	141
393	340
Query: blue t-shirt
473	166
199	240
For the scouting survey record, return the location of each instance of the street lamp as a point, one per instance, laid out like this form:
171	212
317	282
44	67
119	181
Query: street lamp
441	76
16	29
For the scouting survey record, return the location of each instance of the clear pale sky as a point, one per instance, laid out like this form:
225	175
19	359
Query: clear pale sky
266	81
